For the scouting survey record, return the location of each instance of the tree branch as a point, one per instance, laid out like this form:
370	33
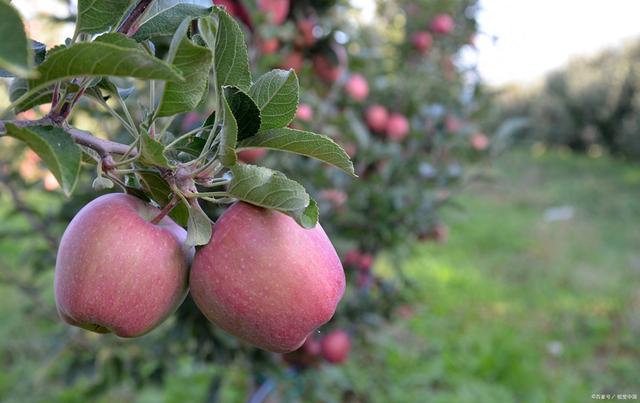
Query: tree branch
103	147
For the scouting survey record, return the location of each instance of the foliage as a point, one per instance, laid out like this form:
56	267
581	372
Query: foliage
590	105
191	108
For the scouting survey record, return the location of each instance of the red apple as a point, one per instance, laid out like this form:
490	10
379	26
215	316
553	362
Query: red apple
337	197
277	10
351	149
329	68
357	87
306	38
422	41
366	261
228	5
265	279
442	24
269	46
479	141
377	118
304	113
252	155
335	346
116	271
306	356
293	60
352	258
452	124
397	127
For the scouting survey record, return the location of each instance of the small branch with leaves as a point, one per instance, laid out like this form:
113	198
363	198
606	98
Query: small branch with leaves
207	50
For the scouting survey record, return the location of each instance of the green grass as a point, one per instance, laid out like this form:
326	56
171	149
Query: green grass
510	309
513	308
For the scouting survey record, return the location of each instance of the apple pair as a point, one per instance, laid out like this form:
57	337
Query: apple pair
262	277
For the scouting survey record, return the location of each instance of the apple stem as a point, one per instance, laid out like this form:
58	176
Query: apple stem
165	210
130	24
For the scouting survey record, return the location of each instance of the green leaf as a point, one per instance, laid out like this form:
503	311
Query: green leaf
304	143
56	148
229	139
101	183
272	189
20	86
199	227
181	96
192	146
162	194
16	55
308	218
164	16
152	152
276	94
98	16
245	111
113	89
110	55
231	57
39	50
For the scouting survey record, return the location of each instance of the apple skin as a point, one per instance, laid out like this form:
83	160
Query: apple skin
422	41
116	271
265	279
269	46
335	346
357	87
330	69
352	258
442	24
377	118
304	113
252	155
278	10
306	356
306	39
479	141
397	127
293	60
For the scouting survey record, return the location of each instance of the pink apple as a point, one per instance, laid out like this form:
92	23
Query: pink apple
228	5
304	113
357	87
377	118
352	258
252	155
366	261
328	69
269	46
397	127
305	27
278	10
335	346
479	141
337	197
351	149
293	60
306	356
265	279
452	124
116	271
422	41
442	24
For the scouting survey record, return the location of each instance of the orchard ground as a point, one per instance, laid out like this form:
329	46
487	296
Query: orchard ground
512	308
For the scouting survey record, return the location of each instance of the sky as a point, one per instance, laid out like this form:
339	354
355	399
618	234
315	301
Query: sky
536	36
